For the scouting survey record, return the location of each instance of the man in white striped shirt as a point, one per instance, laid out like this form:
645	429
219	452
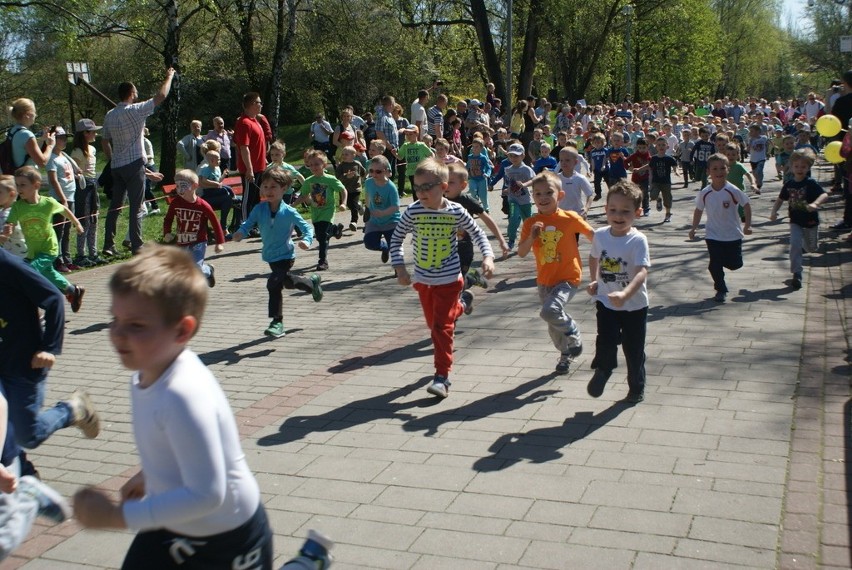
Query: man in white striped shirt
433	222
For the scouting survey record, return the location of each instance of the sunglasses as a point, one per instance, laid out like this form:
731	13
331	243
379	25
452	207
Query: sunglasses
425	187
371	171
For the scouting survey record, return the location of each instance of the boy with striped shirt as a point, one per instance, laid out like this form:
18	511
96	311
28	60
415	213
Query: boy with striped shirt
434	223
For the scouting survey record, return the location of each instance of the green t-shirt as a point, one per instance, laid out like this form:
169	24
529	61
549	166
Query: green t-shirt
292	171
736	173
412	153
325	192
37	225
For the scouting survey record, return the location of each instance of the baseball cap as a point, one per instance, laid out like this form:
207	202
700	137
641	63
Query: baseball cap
347	136
412	129
515	149
476	102
60	132
86	125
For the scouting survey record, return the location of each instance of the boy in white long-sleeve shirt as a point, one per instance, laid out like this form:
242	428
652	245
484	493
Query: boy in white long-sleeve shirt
195	487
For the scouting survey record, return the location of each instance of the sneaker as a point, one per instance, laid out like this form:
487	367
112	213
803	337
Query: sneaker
385	255
564	364
596	385
667	219
467	302
511	245
154	212
211	279
353	226
634	397
84	415
316	288
597	197
51	505
322	266
720	296
76	297
440	386
841	225
126	244
646	212
97	260
73	266
61	267
82	262
474	277
275	329
338	231
314	553
659	205
109	252
796	283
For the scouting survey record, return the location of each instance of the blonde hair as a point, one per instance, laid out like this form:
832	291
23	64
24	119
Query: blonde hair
381	161
718	157
210	145
166	276
458	169
570	149
348	148
549	178
805	154
30	173
314	153
195	122
432	167
21	107
212	153
186	175
629	190
279	146
278	176
442	143
379	145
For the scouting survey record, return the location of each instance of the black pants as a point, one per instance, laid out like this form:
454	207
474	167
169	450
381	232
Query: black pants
322	233
723	255
281	279
353	202
598	178
627	328
221	199
251	193
247	546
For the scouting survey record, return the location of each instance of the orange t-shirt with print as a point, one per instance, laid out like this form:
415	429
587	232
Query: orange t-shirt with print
557	257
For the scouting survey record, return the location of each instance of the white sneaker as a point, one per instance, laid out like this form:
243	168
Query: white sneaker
51	505
85	416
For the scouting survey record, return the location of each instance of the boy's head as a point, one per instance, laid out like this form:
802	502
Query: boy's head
8	191
544	150
536	134
212	157
515	152
477	145
347	154
273	184
412	133
430	181
186	182
379	168
788	143
562	138
316	160
545	129
754	130
457	181
546	192
704	133
617	139
732	151
442	146
427	140
623	206
568	158
158	300
801	161
717	167
377	148
686	134
28	181
598	140
277	151
642	145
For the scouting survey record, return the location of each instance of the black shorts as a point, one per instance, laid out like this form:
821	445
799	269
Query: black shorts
247	547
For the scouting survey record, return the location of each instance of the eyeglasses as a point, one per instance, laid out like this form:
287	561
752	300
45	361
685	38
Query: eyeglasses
424	187
371	171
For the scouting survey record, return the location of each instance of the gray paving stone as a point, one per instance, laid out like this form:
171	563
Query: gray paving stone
471	546
748	508
560	556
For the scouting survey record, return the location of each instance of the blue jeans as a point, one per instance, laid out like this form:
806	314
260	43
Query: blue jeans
198	251
757	170
25	394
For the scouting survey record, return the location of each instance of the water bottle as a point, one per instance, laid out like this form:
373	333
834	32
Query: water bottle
313	555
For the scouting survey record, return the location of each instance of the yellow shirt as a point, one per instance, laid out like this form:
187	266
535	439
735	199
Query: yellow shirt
557	257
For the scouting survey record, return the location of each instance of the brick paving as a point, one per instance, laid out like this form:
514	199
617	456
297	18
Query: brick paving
738	458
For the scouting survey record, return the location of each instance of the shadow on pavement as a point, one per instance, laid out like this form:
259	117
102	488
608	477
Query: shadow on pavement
692	309
367	280
499	403
368	410
544	444
504	285
746	296
231	355
97	327
398	354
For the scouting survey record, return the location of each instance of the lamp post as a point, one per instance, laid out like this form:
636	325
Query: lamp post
507	105
628	14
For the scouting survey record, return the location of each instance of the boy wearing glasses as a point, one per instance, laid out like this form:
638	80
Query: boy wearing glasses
434	223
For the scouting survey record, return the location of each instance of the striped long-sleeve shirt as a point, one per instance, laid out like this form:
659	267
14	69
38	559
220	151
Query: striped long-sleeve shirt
434	241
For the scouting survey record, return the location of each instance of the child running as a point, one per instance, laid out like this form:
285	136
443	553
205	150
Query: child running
383	207
804	196
326	194
550	235
192	214
434	222
619	262
194	502
516	177
35	214
275	220
723	233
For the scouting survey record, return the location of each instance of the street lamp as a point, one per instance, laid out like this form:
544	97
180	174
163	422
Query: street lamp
628	14
507	105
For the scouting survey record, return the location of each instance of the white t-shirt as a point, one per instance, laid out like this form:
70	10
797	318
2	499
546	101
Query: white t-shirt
418	113
577	189
61	165
720	207
197	481
619	260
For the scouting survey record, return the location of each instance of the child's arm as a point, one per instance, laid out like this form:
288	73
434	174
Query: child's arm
814	206
403	227
773	215
307	232
495	231
618	298
696	219
7	233
344	195
8	482
168	219
592	287
747	224
69	215
57	187
525	245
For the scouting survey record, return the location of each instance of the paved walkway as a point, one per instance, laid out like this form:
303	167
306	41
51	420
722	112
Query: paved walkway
739	457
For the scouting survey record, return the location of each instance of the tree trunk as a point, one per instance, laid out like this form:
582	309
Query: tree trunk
171	106
486	43
527	64
285	31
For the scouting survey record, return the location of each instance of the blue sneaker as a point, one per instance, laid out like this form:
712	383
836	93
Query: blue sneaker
51	505
313	555
316	287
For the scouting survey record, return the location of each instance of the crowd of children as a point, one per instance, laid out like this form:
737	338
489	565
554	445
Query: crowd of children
159	296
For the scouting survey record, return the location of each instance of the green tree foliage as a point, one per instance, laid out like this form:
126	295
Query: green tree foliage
817	42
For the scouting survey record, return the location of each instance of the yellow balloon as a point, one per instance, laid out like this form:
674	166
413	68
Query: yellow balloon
832	152
828	125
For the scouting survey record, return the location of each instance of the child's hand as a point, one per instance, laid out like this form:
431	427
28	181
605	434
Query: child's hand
94	509
692	233
169	237
773	216
80	228
237	236
504	247
536	229
617	299
134	489
488	267
43	359
592	288
304	245
747	230
812	208
8	482
402	276
219	248
342	207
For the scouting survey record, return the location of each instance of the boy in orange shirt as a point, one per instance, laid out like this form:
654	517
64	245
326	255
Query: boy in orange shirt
550	235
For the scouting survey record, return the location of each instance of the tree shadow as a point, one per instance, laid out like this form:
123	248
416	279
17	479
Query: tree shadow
499	403
544	444
231	355
97	327
398	354
381	407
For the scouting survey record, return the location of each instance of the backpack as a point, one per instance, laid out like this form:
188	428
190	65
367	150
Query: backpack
7	158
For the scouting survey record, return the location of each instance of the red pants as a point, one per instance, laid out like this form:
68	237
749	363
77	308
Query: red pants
441	307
